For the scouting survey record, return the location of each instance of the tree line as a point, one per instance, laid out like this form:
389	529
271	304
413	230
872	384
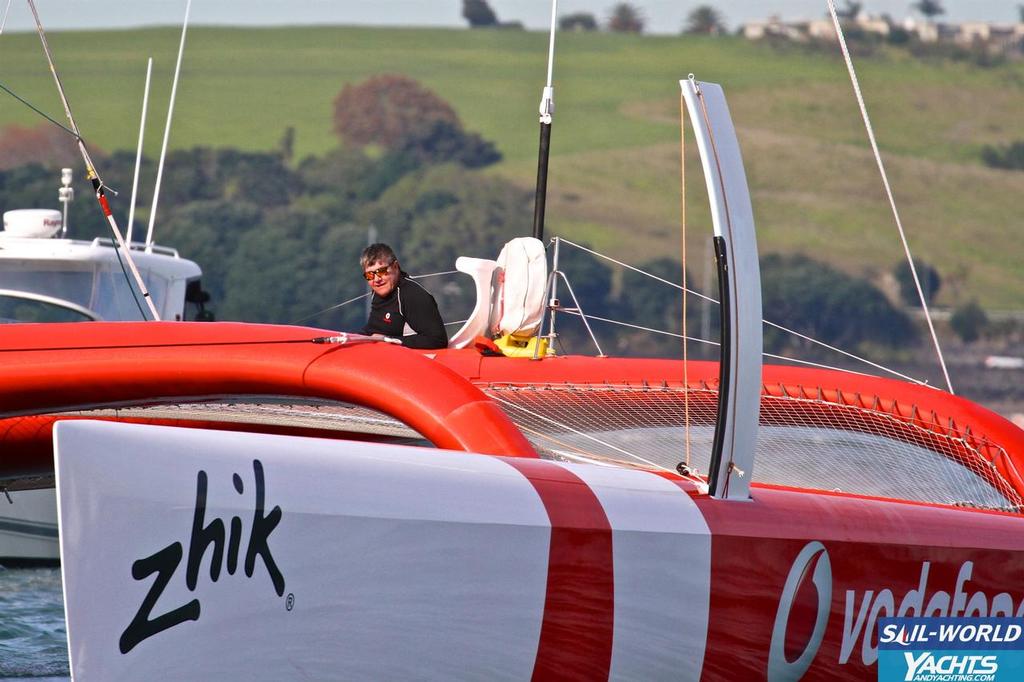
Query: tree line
623	17
279	238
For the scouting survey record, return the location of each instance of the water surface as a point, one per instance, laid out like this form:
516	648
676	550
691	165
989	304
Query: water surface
33	639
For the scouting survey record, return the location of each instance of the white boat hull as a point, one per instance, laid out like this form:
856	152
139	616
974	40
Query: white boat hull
28	528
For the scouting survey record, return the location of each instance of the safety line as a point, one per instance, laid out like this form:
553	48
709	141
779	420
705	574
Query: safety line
809	339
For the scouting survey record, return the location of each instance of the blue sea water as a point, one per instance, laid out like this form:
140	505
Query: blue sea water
33	639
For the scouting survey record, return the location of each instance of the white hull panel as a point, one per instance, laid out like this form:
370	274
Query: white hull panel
373	562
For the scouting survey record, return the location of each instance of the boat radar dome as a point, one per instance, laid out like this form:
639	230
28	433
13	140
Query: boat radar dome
38	223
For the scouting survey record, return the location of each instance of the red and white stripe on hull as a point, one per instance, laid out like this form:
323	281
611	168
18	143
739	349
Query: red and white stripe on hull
406	563
661	567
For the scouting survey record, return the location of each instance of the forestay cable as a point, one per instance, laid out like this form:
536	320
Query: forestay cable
888	189
91	173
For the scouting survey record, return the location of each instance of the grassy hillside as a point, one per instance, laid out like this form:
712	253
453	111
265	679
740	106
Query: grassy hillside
615	167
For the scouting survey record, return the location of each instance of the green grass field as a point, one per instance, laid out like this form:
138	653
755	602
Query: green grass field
615	153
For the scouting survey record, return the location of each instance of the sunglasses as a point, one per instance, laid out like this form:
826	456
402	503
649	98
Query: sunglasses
370	275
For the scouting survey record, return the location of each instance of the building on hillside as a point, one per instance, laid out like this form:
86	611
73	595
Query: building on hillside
1001	38
813	29
998	37
774	27
924	31
876	24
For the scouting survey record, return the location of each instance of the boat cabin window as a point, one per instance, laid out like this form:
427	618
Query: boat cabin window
112	297
15	307
101	288
67	285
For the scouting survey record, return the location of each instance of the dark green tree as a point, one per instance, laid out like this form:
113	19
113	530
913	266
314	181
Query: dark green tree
296	262
625	18
828	305
704	20
580	21
478	13
1009	157
346	177
850	10
929	8
969	321
209	232
443	142
929	277
647	302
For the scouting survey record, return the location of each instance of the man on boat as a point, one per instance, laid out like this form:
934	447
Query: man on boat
400	307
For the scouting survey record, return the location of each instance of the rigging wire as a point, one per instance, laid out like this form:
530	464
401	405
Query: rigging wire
117	252
888	188
804	337
97	183
583	434
716	344
3	22
369	293
333	307
31	106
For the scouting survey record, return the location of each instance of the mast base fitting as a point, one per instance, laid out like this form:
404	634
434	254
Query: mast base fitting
524	346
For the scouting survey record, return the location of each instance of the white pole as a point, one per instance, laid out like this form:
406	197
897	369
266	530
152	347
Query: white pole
167	130
90	168
4	21
551	40
138	154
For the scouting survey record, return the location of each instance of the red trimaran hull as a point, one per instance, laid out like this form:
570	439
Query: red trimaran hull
776	560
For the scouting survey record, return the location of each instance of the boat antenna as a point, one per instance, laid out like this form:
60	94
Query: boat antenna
167	130
138	153
91	174
547	110
65	195
888	188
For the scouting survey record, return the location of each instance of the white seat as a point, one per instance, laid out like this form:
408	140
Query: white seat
509	292
518	308
482	272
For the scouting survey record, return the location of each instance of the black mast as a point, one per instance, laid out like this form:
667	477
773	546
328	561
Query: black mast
547	109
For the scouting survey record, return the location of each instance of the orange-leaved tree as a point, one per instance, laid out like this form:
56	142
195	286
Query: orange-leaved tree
387	109
45	144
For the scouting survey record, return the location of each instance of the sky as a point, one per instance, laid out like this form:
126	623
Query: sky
662	16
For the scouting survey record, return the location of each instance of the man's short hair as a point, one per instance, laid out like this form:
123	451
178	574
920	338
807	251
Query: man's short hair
377	252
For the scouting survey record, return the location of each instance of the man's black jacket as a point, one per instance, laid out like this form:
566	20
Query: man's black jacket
408	313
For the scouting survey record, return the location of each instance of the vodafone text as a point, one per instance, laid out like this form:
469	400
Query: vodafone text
863	610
